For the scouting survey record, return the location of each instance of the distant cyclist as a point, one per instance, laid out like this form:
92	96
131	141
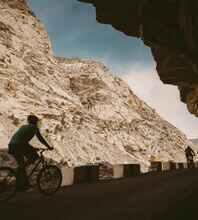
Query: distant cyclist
19	145
190	154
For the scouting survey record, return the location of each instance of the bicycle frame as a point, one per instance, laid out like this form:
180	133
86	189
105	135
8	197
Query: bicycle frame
40	161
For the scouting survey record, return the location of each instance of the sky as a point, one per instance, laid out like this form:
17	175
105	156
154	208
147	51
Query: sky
74	32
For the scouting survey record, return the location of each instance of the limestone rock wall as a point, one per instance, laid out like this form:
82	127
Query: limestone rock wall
88	114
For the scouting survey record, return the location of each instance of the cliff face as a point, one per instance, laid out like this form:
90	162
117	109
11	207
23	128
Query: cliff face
88	114
169	28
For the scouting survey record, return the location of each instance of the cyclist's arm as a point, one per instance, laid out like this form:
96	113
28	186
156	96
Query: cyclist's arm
41	139
193	153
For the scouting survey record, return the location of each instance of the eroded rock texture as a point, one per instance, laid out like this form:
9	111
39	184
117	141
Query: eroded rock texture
170	29
89	115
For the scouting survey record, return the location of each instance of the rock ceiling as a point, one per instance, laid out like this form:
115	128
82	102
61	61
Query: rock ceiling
170	29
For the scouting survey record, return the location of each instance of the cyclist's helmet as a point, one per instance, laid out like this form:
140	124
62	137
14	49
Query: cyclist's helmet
32	119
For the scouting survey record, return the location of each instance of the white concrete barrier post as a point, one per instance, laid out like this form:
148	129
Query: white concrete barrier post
185	165
118	171
68	176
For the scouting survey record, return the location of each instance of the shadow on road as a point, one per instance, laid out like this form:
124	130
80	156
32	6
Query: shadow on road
158	196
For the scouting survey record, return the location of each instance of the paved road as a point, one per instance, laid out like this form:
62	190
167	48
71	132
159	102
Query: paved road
160	196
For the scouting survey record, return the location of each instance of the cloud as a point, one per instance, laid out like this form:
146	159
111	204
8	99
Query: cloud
165	99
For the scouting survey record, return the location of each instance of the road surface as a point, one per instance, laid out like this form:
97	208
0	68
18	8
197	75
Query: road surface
160	196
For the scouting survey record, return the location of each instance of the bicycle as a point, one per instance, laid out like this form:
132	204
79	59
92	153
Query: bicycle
48	179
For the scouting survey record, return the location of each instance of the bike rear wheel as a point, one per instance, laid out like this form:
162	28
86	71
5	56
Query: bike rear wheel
7	183
49	180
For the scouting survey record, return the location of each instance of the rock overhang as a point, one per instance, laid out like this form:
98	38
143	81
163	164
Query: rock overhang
169	28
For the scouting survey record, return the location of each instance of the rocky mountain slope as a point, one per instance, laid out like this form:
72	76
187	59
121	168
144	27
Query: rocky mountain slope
88	114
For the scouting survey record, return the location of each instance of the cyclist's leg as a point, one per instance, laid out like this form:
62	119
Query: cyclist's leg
30	153
192	162
21	172
188	161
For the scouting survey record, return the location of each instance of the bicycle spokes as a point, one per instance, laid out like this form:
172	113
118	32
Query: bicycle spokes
49	180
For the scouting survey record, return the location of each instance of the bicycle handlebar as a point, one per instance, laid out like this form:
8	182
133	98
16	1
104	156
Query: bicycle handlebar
42	150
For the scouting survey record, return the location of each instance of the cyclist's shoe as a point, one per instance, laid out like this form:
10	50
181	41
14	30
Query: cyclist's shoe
21	188
24	188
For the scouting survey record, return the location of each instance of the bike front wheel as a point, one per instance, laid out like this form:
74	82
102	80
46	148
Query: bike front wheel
7	183
49	180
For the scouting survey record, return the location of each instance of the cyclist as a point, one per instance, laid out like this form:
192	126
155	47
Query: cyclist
190	156
20	148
